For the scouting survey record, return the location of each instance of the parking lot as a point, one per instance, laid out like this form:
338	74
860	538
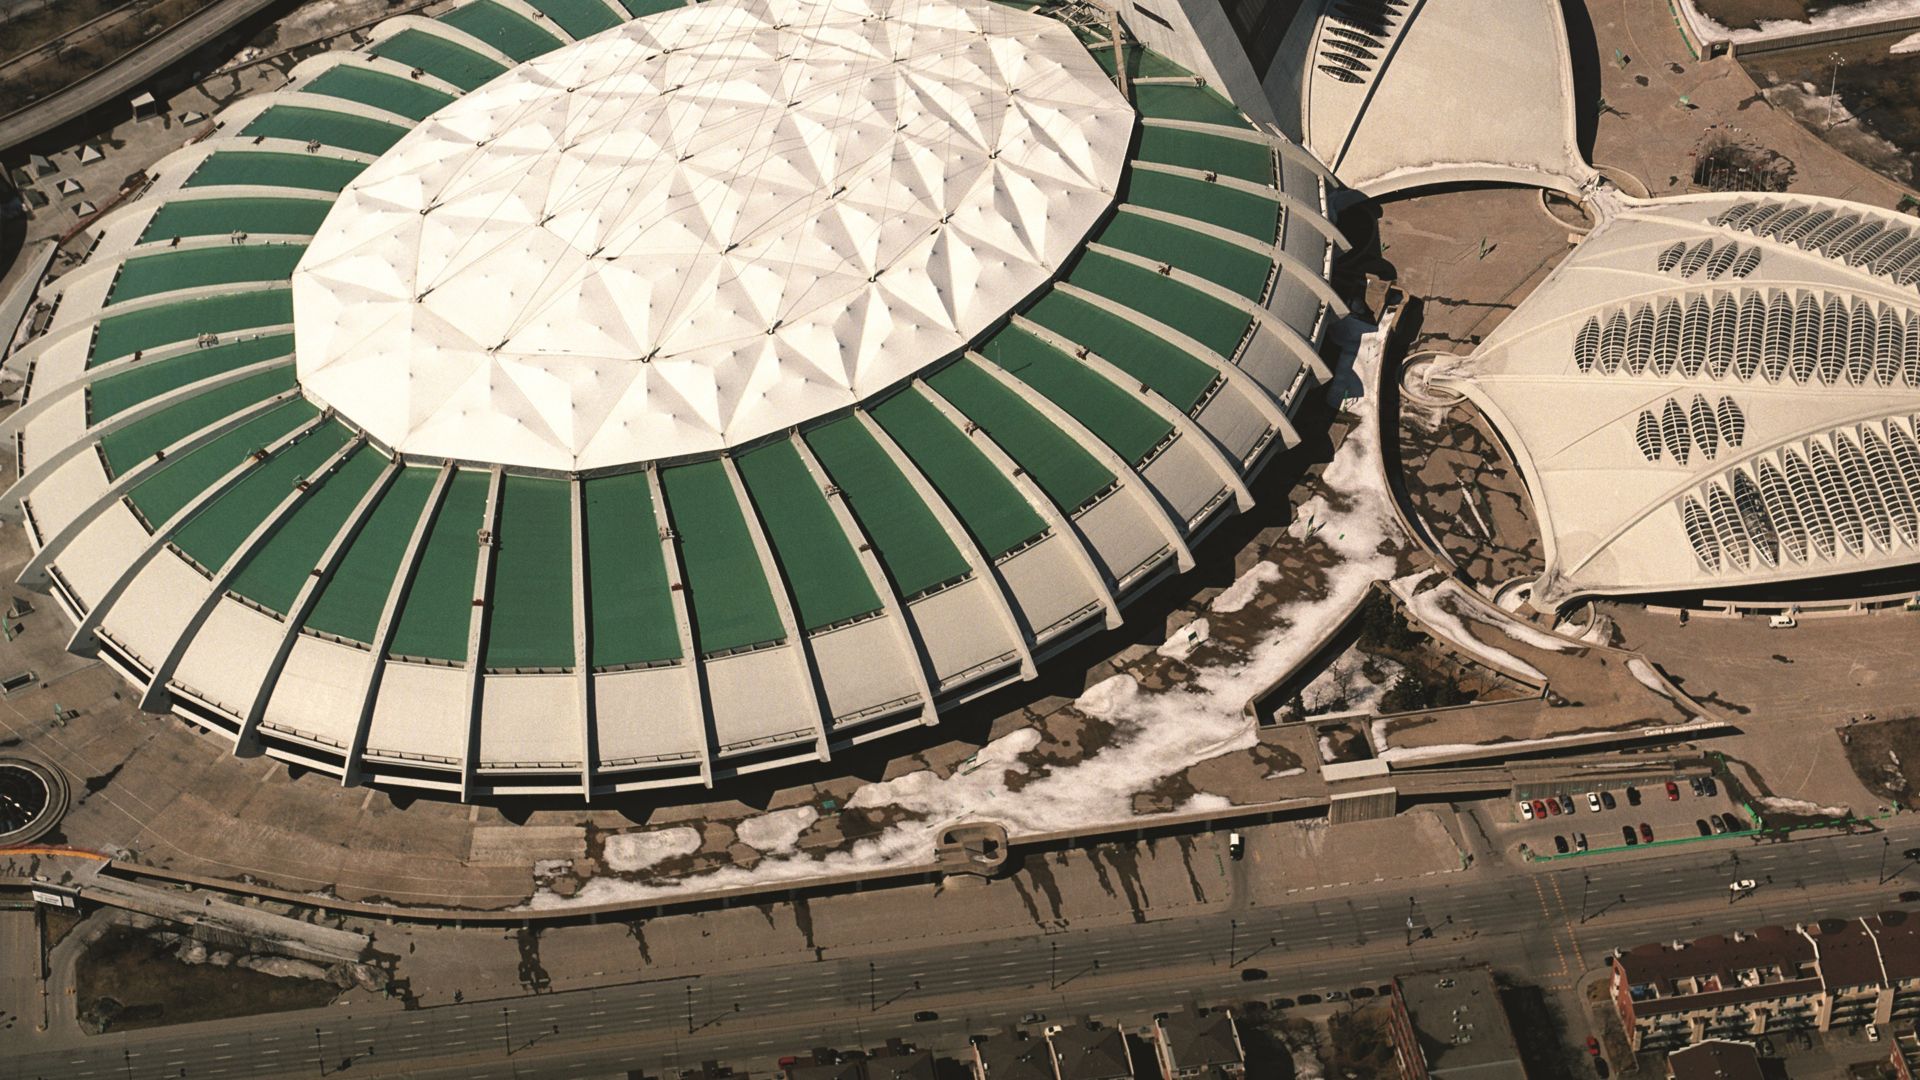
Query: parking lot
1654	818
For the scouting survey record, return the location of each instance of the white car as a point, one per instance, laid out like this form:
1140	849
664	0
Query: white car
1873	1032
1745	884
1526	810
1593	801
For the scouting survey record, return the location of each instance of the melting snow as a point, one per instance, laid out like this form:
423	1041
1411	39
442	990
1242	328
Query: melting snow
631	851
1156	734
1181	643
1244	588
1443	621
778	832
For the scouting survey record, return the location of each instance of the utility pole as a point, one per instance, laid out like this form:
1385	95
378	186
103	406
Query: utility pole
506	1029
1233	940
1885	844
1833	85
873	997
319	1053
1053	965
1586	885
690	1008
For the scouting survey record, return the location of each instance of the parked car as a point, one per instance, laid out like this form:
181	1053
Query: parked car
1911	896
1336	995
1673	791
1566	803
1553	807
1526	810
1539	809
1236	846
1873	1032
1560	845
1280	1003
1033	1018
1626	832
1646	833
1735	823
1701	824
1606	800
1593	801
1694	783
1360	992
1719	824
1579	841
1252	974
1310	999
1633	795
1707	785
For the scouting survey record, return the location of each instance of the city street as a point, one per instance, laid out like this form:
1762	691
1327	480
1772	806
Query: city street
1527	922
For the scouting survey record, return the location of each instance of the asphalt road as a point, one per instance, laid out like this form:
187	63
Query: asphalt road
1527	921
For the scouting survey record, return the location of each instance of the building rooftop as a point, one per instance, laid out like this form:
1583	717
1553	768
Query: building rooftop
1004	1057
1743	963
1461	1024
1193	1041
1715	1059
1084	1053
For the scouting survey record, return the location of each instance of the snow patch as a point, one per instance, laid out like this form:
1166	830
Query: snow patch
1648	677
778	832
1345	687
633	851
1908	44
1244	589
1801	807
1446	622
1183	641
1865	11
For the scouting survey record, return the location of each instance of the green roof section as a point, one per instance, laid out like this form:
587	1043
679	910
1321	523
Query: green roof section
530	611
227	264
986	502
823	572
223	216
1110	412
637	8
1225	264
149	435
218	530
1064	470
433	621
350	603
279	568
443	59
509	31
728	596
1213	323
269	168
379	89
579	18
1216	204
1175	101
1228	156
182	479
1165	368
184	321
914	549
152	378
629	597
1141	63
347	131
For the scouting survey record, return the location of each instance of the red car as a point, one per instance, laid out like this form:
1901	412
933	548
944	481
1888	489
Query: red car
1539	809
1646	833
1553	807
1593	1046
1673	791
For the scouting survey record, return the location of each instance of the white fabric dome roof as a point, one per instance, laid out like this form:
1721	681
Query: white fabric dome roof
701	227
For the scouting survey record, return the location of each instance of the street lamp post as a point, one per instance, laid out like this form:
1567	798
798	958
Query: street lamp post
506	1029
1053	965
1886	843
1233	940
1833	85
873	998
1586	886
319	1052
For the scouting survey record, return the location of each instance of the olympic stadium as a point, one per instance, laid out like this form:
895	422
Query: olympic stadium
574	397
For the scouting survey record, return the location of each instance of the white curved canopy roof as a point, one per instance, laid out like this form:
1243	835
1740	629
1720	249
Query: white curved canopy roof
705	226
1715	391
